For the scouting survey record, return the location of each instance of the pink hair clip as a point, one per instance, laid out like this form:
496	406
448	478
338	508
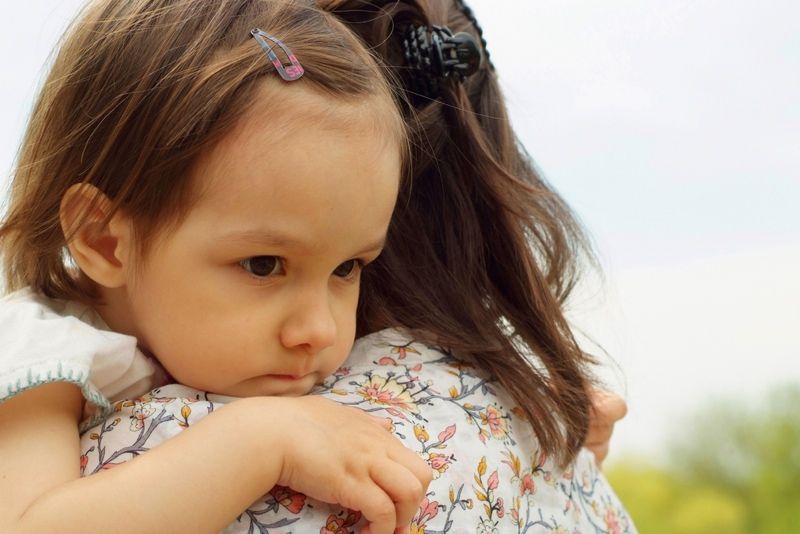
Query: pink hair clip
287	72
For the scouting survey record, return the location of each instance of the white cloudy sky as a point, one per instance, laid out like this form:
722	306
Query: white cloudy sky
673	128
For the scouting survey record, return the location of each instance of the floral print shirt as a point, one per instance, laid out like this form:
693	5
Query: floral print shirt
489	473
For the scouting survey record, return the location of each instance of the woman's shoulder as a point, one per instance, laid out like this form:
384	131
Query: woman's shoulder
399	346
489	471
490	474
49	340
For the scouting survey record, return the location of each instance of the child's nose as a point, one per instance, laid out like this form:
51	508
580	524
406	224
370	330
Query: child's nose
311	325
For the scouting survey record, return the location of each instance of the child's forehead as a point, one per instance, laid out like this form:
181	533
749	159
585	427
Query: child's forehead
336	183
284	108
290	128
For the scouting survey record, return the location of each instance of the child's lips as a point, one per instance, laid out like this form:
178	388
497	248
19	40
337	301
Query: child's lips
288	377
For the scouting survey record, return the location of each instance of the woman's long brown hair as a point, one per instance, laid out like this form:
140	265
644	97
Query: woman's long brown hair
482	253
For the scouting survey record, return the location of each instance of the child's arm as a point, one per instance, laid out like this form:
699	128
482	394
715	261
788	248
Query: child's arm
203	478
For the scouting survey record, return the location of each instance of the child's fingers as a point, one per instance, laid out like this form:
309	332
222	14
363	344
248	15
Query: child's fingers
599	432
400	530
403	488
385	422
600	451
398	452
608	407
418	467
376	507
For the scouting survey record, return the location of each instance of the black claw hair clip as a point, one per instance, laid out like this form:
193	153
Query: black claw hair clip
434	55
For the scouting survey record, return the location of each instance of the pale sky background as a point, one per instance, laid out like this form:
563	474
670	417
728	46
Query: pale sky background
673	129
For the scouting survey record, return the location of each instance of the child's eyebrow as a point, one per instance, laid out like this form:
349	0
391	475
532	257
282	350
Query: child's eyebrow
262	237
373	246
278	240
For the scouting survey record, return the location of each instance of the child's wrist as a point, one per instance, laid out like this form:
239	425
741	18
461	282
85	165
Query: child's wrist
258	424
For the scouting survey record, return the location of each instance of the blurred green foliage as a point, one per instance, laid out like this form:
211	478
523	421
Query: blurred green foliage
733	468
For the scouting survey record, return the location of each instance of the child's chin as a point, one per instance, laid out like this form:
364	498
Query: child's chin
270	386
288	386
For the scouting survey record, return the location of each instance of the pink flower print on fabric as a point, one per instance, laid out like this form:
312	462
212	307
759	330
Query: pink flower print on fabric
612	521
427	511
336	524
497	424
387	392
495	480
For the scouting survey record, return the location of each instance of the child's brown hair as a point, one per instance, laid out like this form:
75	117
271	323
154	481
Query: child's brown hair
481	253
138	90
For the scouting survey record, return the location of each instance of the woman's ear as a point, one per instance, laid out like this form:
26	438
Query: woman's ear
99	245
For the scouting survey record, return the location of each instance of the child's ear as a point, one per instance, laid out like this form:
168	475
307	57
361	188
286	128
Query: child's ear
99	245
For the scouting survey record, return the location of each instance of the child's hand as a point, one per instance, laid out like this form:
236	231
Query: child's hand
339	454
607	408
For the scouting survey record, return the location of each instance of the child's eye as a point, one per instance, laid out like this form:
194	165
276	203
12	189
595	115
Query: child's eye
262	266
348	269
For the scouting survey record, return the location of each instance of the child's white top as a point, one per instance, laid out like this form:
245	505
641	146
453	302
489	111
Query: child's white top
45	340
